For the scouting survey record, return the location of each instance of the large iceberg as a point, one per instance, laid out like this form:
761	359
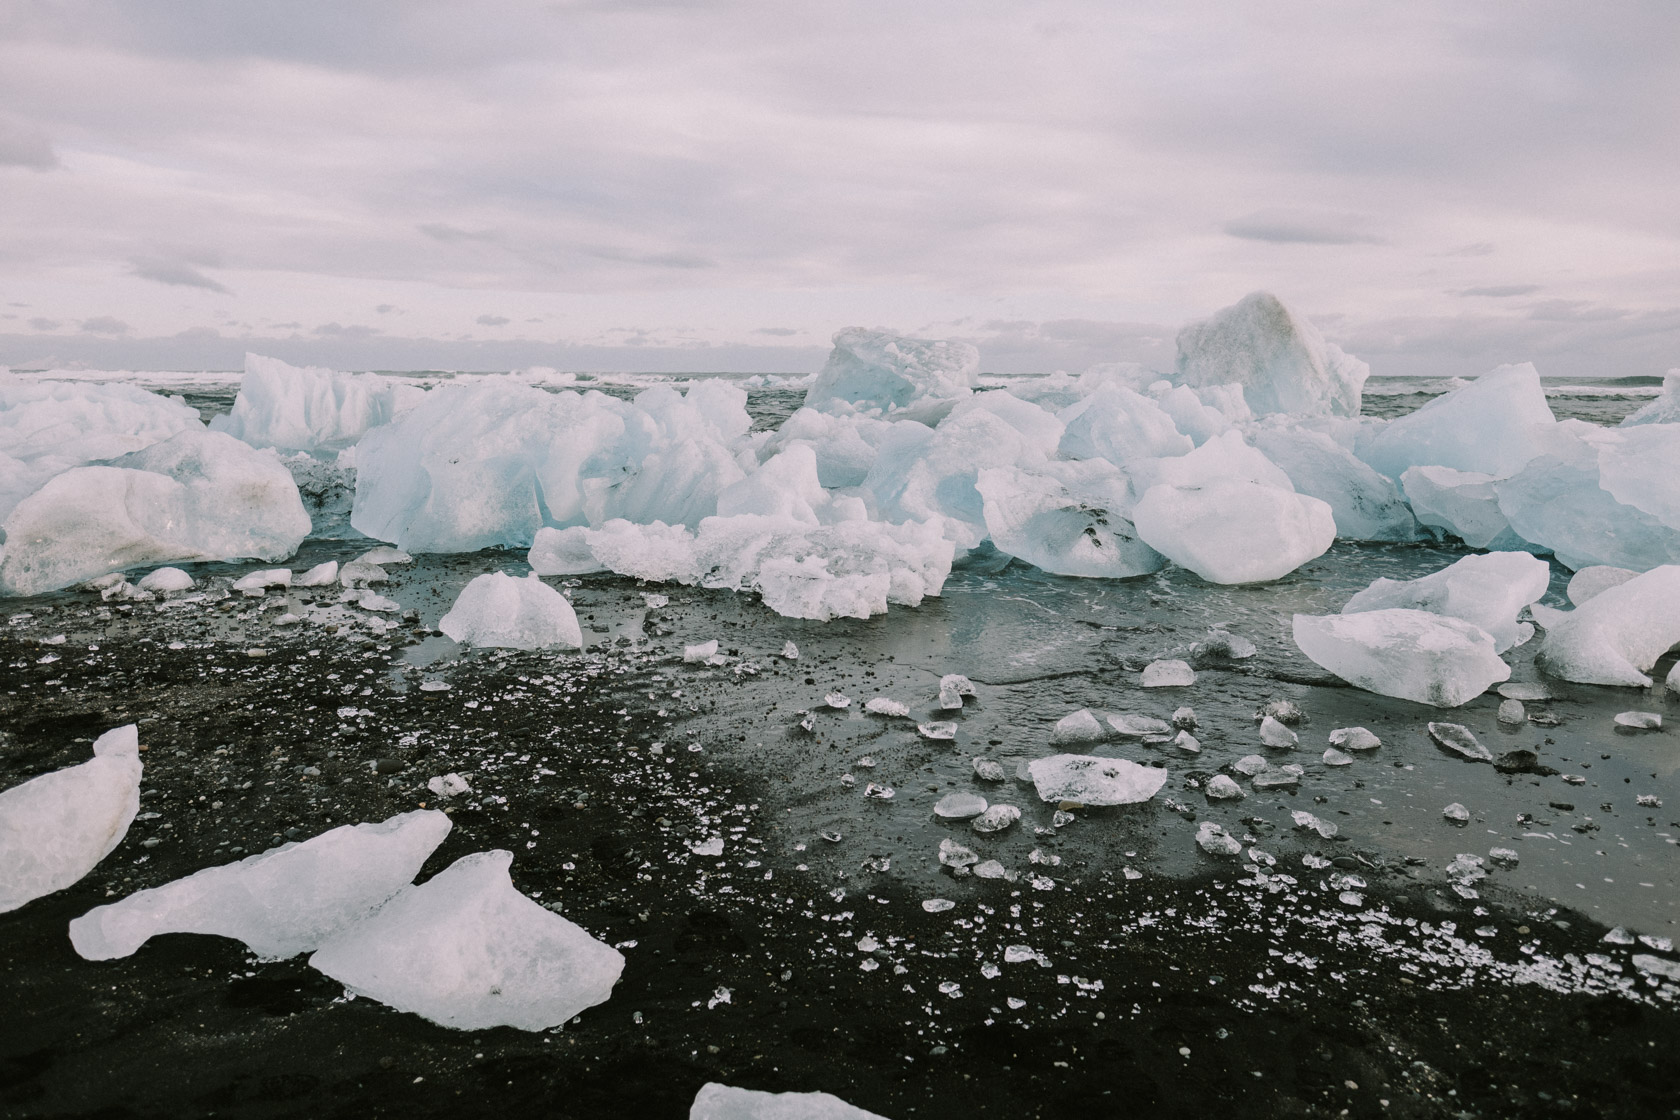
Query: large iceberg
466	950
1616	636
496	610
197	495
1489	591
306	408
1491	426
1640	467
1281	361
725	1102
1412	654
55	828
1463	503
1070	518
923	474
1665	409
282	902
871	371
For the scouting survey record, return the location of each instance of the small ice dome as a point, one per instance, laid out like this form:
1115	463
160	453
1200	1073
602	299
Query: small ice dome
1354	739
1091	780
724	1102
1168	674
1215	841
1511	712
321	575
466	950
268	577
1221	788
1275	734
1079	727
959	806
836	700
497	610
886	706
358	574
166	579
705	650
1137	727
1639	721
383	555
1456	813
937	729
1334	757
996	818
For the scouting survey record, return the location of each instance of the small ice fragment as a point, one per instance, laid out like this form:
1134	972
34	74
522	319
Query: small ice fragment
1354	739
1351	898
1284	711
1187	742
952	688
884	706
1304	819
959	806
655	601
1649	800
712	847
996	819
434	686
867	944
704	650
384	554
1061	818
950	988
938	905
1455	737
809	723
716	1101
1619	936
1456	813
990	971
1639	721
321	575
1511	712
1019	954
256	582
1276	779
1185	719
1334	757
1168	674
1275	734
1250	764
832	835
790	651
1506	857
837	700
1660	944
1041	883
1137	727
1080	727
373	601
988	770
1215	841
166	579
1222	788
449	785
953	854
990	869
1314	861
1091	780
937	729
355	574
1015	1003
878	792
1657	966
1524	690
866	762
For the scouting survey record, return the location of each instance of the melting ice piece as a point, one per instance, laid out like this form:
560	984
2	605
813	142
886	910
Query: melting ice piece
466	950
282	902
166	579
1412	654
1234	532
712	847
1067	517
1618	634
449	785
1091	780
1456	813
1657	966
1494	425
790	651
1488	591
1136	727
1464	503
1079	727
500	611
953	854
382	555
724	1102
996	819
1185	719
1595	578
1279	358
1639	721
937	729
1524	690
1275	734
833	699
56	827
321	575
988	770
1221	788
1220	646
952	688
1168	674
872	371
1334	757
1281	777
1215	841
1457	738
959	806
1187	742
1306	820
1250	764
705	650
886	706
991	869
1367	506
937	905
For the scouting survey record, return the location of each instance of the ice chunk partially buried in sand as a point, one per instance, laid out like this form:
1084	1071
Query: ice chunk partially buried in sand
55	828
282	902
499	611
1091	780
1616	636
466	950
1411	654
725	1102
1488	591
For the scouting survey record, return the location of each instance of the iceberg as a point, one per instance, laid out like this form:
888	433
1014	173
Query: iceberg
725	1102
1281	361
1234	532
1463	503
1640	467
56	828
874	371
1589	581
197	495
930	475
308	408
1069	518
466	950
1119	425
1091	780
496	610
1489	591
845	446
1616	636
1414	655
1491	426
1367	506
1665	409
282	902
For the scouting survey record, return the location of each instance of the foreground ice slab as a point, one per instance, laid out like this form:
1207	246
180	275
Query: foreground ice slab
870	371
1234	532
1091	780
1616	636
1412	654
308	408
1488	590
500	611
1665	409
197	495
1492	426
724	1102
55	828
1070	518
282	902
466	950
1281	361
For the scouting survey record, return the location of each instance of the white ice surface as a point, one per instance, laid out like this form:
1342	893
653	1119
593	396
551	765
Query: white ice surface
1463	503
725	1102
1070	518
1616	636
308	408
1276	355
1488	590
1091	780
1412	654
873	371
1493	426
1234	532
496	610
1366	505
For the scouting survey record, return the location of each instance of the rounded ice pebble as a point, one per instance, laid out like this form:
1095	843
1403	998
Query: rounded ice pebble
499	611
1639	721
959	806
1234	531
1354	739
166	579
1334	757
1275	734
996	819
1215	841
1512	712
1411	654
1168	674
1222	788
1456	813
1079	727
321	575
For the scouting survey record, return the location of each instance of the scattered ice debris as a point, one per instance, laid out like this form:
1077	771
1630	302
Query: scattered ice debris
1617	635
497	610
988	770
382	555
1221	788
707	650
724	1102
1411	654
1275	734
1456	813
1657	966
1185	719
959	806
449	785
937	729
1639	721
1187	742
56	827
360	574
712	847
1334	757
953	854
1131	726
1512	713
282	902
878	791
1168	674
996	819
1080	727
885	706
1090	780
466	950
1488	591
952	688
836	700
321	575
789	650
1306	820
161	580
1215	841
1458	739
937	905
1250	764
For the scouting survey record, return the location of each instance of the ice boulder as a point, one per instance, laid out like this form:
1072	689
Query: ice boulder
197	495
1191	414
870	371
1041	430
1616	636
466	950
1367	506
1590	581
1116	424
1491	426
787	485
1640	467
923	475
1070	518
1462	503
1234	532
1488	591
311	409
1091	780
725	1102
1227	457
1281	361
499	611
1665	409
844	445
55	828
282	902
1412	654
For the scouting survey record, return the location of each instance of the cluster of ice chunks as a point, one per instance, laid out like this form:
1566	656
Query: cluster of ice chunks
498	611
725	1102
310	409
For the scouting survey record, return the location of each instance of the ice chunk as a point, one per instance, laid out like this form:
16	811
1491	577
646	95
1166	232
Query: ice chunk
1493	426
56	827
1463	503
1511	713
1414	655
1366	505
724	1102
1219	645
1657	966
1069	518
382	555
1281	361
938	730
1665	409
261	581
785	486
1640	467
1185	718
833	699
308	408
1190	414
1041	430
886	706
873	371
1308	821
1120	426
952	688
1250	765
321	575
1215	841
166	580
1589	581
1673	681
1354	739
953	854
466	950
195	496
988	770
1458	739
1135	726
1167	674
449	785
499	611
1456	813
923	475
1639	721
1334	757
1187	742
1221	788
959	806
1617	635
1234	532
845	446
1275	734
1488	591
1090	780
359	573
285	901
1079	727
1225	458
996	818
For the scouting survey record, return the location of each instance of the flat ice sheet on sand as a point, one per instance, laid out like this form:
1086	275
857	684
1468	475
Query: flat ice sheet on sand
725	1102
1412	654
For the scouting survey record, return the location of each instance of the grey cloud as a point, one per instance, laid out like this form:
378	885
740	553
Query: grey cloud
24	146
174	272
339	330
45	324
385	308
780	332
439	231
1299	228
492	321
1502	291
105	324
1478	249
661	260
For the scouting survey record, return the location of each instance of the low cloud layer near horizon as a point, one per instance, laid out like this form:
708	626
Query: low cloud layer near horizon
719	185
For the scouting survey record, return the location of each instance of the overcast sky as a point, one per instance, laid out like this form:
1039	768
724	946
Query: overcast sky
717	185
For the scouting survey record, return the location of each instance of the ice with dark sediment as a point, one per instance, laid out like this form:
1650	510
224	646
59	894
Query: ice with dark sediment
1616	636
1366	505
1215	841
1488	590
496	610
716	1101
1412	654
1091	780
1070	518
